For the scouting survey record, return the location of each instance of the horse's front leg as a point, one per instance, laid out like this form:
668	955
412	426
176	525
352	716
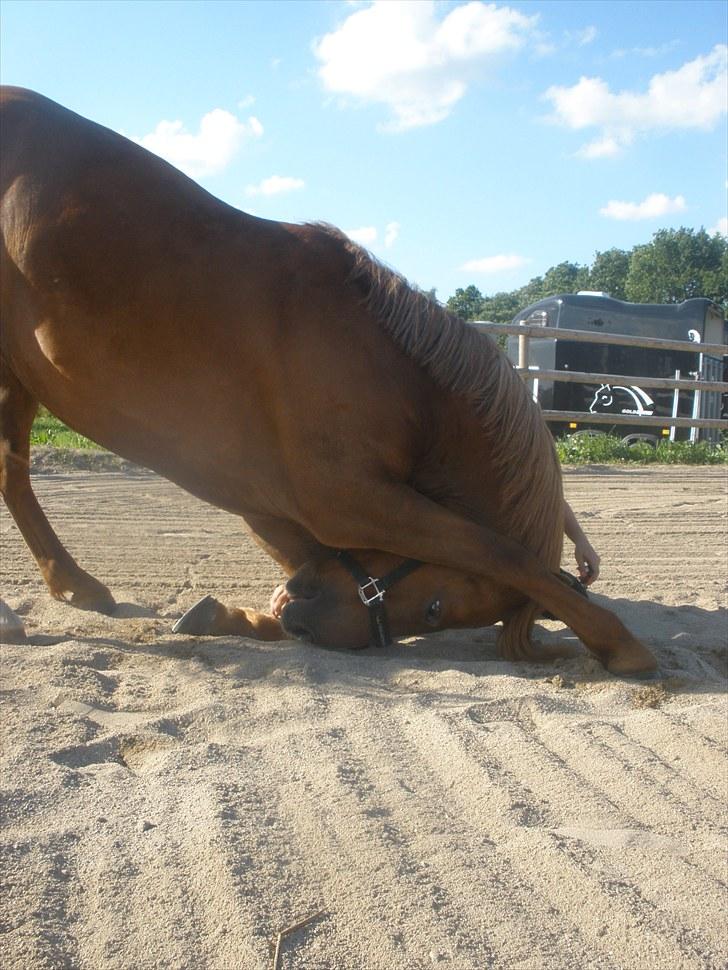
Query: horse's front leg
396	519
291	546
64	577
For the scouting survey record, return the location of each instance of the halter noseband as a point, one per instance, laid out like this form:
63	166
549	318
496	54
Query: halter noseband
371	593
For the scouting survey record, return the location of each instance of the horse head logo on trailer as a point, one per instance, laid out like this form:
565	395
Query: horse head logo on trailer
623	400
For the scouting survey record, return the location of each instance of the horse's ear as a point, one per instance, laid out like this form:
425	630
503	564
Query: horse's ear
515	642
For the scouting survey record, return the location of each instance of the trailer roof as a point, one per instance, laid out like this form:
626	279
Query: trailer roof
694	309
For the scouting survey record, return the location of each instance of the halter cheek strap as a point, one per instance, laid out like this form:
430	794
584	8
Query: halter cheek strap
371	593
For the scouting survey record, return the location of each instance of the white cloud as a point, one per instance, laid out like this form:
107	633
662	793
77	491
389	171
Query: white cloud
369	235
391	234
401	54
583	37
693	96
721	227
209	151
275	185
605	147
494	264
655	205
364	235
544	46
660	51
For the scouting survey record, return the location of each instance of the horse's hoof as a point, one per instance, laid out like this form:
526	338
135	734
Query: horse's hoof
644	668
95	602
199	618
11	626
86	592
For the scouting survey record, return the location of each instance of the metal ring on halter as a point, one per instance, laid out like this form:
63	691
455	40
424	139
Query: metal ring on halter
371	592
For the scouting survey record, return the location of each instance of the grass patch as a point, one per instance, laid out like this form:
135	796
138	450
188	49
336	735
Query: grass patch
571	449
48	430
609	450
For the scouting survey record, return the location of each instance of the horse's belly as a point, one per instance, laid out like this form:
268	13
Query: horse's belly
198	424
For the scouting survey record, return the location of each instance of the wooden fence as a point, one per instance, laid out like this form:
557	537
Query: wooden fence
528	332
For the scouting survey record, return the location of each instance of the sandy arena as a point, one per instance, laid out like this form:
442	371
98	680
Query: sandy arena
174	802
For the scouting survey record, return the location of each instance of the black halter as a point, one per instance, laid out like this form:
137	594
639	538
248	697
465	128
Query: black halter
371	593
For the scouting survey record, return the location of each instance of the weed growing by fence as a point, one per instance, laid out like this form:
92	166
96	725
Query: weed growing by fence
608	450
48	430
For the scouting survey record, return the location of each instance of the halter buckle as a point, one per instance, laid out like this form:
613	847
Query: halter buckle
366	596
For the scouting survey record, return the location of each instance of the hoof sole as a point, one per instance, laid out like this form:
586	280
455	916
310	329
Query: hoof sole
198	618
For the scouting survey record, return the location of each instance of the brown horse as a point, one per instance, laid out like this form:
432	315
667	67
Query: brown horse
279	372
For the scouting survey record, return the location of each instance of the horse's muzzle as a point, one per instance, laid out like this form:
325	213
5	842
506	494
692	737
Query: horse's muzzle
296	619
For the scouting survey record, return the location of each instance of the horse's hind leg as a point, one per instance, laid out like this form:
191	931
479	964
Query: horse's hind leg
65	579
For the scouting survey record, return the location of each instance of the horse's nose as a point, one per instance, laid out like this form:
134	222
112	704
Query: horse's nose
296	621
304	585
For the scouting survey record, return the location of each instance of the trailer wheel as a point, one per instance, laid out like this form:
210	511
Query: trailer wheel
637	439
589	433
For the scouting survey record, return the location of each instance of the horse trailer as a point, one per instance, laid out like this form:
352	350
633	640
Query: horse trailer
699	321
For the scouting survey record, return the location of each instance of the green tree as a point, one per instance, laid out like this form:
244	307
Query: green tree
609	273
677	265
565	278
501	307
467	303
533	291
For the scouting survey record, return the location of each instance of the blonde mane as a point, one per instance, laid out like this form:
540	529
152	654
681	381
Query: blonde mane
470	364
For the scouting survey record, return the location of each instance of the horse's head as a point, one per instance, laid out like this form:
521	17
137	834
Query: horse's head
326	609
603	397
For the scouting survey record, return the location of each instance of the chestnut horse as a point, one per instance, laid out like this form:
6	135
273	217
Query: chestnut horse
276	371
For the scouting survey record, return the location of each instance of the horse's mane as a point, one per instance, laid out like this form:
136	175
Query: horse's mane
470	364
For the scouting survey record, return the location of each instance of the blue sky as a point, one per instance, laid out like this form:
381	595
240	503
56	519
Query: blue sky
461	142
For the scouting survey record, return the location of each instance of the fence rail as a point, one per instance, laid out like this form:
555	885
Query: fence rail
528	332
591	337
577	377
649	421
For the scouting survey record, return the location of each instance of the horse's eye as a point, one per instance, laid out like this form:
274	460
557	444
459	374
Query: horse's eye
433	613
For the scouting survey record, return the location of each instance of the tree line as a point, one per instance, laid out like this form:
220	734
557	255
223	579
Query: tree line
676	265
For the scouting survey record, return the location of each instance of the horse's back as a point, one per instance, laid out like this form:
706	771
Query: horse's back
95	223
135	303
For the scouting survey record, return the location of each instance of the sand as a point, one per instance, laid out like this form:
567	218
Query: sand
177	802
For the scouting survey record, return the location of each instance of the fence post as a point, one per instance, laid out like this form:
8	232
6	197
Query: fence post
675	398
524	349
524	343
